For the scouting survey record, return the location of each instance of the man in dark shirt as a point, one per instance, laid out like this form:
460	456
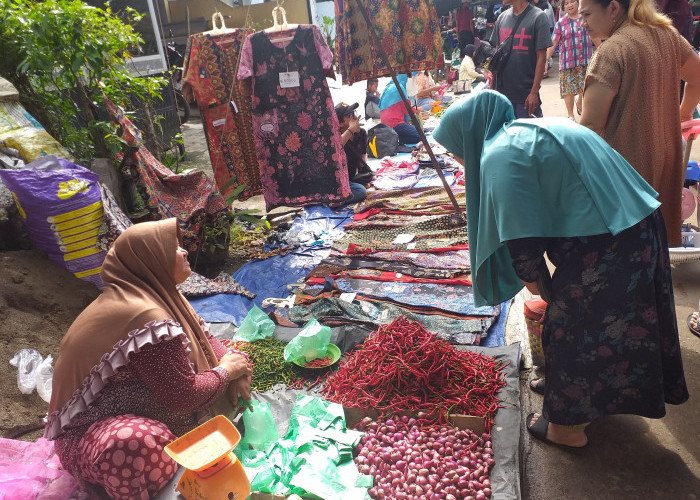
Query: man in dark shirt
354	140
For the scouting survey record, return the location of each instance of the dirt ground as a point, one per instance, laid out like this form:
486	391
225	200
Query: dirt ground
38	302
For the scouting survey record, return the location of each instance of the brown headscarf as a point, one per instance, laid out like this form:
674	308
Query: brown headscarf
139	288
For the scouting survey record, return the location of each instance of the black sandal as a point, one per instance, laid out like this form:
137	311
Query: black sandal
538	386
539	431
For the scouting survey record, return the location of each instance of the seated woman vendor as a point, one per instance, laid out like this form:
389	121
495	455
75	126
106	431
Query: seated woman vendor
137	368
393	112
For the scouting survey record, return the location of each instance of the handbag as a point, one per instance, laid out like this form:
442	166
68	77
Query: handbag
502	54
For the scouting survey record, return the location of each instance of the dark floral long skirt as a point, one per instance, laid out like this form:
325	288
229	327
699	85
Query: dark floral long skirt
610	336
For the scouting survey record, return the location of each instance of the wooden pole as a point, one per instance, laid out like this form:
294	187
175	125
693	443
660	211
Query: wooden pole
406	103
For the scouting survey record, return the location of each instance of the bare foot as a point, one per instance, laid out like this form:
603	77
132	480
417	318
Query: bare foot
560	434
694	320
571	117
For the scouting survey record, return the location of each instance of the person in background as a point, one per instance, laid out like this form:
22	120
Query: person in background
372	99
575	50
605	353
521	78
545	6
467	70
393	112
138	368
631	100
465	26
681	15
354	140
427	91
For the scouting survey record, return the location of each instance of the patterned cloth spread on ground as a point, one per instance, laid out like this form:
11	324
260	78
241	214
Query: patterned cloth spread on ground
453	267
451	298
324	269
424	200
211	63
190	197
408	29
200	286
296	130
436	232
465	331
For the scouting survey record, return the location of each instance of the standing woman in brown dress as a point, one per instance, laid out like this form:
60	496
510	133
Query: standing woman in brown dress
632	91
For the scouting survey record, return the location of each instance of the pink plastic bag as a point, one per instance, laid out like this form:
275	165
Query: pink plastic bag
31	471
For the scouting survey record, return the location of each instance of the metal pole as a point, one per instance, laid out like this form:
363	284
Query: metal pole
406	103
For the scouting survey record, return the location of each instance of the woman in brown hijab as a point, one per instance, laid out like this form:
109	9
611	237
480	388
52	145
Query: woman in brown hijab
138	368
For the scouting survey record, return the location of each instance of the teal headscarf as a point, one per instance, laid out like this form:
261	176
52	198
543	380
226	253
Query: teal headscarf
390	95
546	177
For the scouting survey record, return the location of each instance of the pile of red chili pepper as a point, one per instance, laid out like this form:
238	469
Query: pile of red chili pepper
319	362
404	367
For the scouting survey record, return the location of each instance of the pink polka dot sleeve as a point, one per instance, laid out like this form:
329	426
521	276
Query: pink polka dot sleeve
165	368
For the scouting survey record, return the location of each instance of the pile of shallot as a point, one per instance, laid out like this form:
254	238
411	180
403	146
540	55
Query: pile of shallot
411	461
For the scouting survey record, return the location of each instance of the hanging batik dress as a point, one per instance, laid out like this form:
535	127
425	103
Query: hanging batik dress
297	135
409	32
224	104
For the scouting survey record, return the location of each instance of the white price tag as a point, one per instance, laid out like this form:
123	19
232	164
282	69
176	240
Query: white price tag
348	296
289	79
411	246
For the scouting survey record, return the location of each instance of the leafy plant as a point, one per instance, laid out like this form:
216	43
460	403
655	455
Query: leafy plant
64	56
327	25
172	156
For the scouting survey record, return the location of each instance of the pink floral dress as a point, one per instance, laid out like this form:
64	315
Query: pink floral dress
296	131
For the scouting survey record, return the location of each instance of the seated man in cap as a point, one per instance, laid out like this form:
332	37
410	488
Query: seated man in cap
354	140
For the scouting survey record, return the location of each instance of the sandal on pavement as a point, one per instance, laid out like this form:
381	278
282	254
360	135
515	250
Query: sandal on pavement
537	386
690	327
539	431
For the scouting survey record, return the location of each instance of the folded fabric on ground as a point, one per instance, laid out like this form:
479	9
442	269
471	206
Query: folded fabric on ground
436	232
408	268
450	298
430	178
396	181
397	166
456	259
421	200
323	271
464	331
200	286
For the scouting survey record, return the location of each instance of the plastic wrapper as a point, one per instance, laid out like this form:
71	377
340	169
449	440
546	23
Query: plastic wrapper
256	325
27	362
311	343
44	378
314	457
260	429
31	471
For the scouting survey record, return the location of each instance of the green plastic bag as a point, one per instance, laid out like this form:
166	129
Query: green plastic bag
260	428
256	325
310	343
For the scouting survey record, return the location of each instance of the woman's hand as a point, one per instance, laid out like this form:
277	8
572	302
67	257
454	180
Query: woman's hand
236	365
239	387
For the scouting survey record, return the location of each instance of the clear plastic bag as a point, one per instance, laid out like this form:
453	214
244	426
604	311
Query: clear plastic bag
27	361
44	378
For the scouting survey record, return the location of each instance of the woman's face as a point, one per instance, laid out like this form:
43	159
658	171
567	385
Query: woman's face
182	267
571	7
598	20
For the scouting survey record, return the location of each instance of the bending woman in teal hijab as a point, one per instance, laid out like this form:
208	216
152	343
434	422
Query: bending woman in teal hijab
551	186
392	112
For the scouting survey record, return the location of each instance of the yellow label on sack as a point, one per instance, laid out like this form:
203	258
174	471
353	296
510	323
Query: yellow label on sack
71	188
19	206
74	213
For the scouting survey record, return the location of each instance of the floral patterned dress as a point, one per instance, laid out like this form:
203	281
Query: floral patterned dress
210	72
610	336
296	130
408	29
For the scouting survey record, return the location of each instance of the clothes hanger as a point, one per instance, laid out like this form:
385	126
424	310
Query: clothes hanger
276	27
216	30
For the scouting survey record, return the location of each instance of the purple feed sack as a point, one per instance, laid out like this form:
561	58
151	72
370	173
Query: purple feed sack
61	207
